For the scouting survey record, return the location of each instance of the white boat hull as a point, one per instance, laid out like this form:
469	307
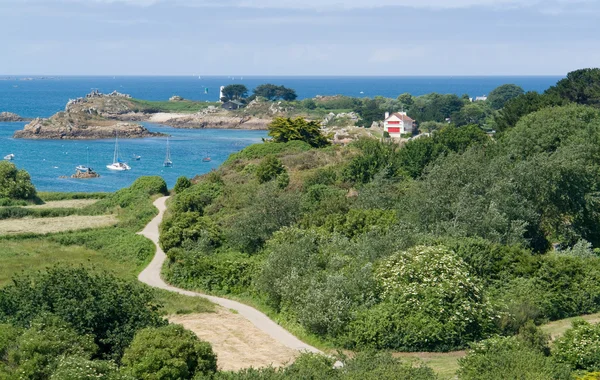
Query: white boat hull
118	167
9	157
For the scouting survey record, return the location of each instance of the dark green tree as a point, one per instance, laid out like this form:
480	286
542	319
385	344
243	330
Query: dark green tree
369	112
286	129
502	94
273	92
234	92
580	86
525	104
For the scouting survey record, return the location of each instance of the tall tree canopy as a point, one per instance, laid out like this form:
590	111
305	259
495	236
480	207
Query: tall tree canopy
273	92
580	86
234	92
500	95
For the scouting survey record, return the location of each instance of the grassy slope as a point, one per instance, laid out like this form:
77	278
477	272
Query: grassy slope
115	249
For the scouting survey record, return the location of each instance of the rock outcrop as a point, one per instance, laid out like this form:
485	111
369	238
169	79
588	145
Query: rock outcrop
9	116
85	118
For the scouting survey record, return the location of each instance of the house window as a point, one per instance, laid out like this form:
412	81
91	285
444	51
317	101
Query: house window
393	122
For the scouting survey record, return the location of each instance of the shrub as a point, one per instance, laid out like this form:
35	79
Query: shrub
169	353
430	302
78	368
182	184
195	198
188	226
256	151
269	168
14	183
150	185
99	304
36	352
579	347
225	272
509	358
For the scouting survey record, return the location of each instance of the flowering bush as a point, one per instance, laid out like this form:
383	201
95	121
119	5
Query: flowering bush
579	347
430	302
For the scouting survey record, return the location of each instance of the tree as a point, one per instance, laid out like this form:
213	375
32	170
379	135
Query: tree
182	184
14	183
580	86
273	92
523	105
234	92
435	107
286	129
369	112
502	94
169	353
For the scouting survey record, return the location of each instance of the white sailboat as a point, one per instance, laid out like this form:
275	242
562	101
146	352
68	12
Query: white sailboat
85	168
9	157
168	163
118	164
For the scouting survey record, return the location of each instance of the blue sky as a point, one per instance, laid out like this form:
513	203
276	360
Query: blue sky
298	37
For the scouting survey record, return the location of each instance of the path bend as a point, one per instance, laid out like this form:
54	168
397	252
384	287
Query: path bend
151	276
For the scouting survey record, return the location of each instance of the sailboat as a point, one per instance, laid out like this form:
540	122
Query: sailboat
168	163
9	157
118	164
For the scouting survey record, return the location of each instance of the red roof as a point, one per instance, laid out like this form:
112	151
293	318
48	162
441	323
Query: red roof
401	117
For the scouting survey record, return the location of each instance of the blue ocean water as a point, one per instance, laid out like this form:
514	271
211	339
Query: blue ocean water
44	97
47	160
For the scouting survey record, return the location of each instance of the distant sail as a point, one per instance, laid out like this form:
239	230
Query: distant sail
206	90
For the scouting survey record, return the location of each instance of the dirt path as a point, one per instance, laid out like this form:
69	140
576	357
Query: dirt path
280	347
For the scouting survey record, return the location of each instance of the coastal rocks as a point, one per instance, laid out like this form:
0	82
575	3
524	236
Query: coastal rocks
49	129
343	119
176	98
218	122
10	117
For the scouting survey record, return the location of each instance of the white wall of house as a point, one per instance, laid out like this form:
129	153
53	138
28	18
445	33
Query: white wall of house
398	124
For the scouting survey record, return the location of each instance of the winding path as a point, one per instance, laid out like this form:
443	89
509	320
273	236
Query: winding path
151	276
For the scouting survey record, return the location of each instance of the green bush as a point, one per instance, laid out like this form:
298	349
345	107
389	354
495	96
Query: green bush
189	226
223	272
579	347
268	169
430	302
169	353
195	198
36	352
182	184
99	304
256	151
78	368
14	183
150	185
509	358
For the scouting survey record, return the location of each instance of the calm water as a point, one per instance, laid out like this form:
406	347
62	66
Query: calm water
47	160
33	98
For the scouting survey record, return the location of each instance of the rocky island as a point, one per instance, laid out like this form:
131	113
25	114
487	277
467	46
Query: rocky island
86	118
10	117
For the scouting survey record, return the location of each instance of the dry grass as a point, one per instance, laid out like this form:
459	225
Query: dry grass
236	341
58	224
445	364
558	328
69	203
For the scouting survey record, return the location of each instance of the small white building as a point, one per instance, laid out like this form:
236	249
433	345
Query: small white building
398	124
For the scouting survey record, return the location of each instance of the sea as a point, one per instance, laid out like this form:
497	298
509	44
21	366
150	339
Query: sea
48	160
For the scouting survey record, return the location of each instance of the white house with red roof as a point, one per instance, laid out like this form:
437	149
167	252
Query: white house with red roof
397	124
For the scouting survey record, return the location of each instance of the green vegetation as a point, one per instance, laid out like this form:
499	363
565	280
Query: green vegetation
272	92
15	185
283	130
234	92
182	106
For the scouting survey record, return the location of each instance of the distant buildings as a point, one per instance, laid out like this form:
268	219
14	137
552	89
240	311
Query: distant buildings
398	124
481	98
232	105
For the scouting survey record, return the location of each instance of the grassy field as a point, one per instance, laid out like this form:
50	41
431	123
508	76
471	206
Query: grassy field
558	328
184	106
67	203
55	224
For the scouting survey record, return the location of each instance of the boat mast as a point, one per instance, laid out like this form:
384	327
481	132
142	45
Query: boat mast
116	147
